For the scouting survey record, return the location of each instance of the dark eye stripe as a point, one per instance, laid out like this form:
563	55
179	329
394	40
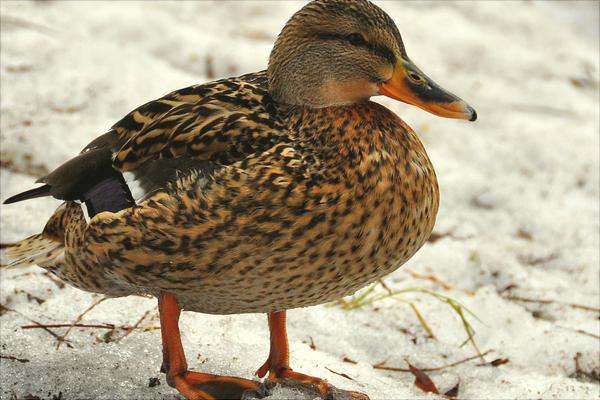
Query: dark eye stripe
386	53
330	36
381	51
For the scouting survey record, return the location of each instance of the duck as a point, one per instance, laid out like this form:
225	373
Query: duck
261	193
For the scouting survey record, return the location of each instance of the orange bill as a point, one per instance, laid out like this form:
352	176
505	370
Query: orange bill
409	85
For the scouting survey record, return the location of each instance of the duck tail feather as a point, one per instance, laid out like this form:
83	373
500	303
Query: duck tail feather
29	194
33	250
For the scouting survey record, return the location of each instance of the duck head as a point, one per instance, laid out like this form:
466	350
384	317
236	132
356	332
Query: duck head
335	52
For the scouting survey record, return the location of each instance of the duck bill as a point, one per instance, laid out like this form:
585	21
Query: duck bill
409	85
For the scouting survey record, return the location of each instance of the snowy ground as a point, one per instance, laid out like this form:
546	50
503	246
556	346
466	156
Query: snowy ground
516	240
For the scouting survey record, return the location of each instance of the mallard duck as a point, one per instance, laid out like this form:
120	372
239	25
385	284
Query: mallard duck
269	191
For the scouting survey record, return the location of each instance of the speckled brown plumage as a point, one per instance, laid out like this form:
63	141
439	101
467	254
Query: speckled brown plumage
270	191
345	196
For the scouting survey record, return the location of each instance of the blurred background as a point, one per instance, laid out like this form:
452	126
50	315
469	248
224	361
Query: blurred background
517	236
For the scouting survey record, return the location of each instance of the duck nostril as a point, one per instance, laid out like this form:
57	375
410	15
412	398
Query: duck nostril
415	77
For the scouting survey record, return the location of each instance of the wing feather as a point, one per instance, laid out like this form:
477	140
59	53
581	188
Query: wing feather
223	121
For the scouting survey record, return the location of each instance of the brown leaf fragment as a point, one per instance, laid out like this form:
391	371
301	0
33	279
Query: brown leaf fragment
499	361
523	234
30	297
583	82
38	300
312	343
453	393
153	382
422	380
494	363
509	288
4	309
107	337
581	374
349	360
339	373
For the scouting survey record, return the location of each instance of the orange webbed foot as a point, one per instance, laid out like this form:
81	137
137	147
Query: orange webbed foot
277	366
199	386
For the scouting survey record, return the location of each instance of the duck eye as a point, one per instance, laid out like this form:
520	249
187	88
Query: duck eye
356	39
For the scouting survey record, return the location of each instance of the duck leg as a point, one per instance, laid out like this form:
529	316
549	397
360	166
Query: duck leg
193	385
277	364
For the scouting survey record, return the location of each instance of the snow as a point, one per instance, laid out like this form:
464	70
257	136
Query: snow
519	215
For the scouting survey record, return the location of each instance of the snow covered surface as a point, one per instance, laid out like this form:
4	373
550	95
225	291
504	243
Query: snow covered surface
519	217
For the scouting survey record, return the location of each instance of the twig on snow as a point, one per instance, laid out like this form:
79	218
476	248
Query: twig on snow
135	326
381	365
339	373
59	338
431	278
548	301
23	360
79	318
97	326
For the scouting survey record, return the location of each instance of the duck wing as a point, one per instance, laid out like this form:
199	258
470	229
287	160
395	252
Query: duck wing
199	129
223	122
